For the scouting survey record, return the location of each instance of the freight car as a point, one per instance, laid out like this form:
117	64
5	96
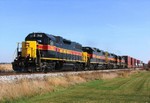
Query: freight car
41	52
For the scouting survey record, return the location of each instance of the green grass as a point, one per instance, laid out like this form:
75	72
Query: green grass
133	89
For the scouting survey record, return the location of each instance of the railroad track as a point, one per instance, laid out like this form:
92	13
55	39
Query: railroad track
12	76
15	73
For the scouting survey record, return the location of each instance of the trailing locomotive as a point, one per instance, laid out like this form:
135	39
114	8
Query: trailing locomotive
41	52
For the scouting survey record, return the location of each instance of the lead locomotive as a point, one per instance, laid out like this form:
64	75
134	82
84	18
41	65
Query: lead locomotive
43	52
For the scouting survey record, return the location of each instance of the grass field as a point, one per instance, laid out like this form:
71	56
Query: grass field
133	89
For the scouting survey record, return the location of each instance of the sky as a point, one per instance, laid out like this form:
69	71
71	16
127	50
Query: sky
118	26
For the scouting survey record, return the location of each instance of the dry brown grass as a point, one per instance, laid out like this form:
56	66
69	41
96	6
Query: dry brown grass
110	75
23	88
6	68
26	87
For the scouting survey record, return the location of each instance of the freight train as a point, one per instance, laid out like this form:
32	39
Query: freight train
41	52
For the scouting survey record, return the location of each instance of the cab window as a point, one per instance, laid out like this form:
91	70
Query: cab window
51	42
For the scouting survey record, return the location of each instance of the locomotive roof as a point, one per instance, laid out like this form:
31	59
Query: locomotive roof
53	37
67	40
94	49
45	34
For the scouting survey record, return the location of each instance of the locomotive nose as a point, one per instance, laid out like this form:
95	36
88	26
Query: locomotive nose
27	44
29	49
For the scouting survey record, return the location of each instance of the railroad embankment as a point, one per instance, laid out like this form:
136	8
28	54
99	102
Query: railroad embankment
30	87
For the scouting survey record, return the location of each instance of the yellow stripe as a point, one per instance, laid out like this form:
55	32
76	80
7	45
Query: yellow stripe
51	59
62	59
95	62
111	59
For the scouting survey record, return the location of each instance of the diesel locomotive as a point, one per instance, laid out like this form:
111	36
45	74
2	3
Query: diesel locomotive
41	52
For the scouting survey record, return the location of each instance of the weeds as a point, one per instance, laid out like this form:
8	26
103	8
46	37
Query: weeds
6	68
28	87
